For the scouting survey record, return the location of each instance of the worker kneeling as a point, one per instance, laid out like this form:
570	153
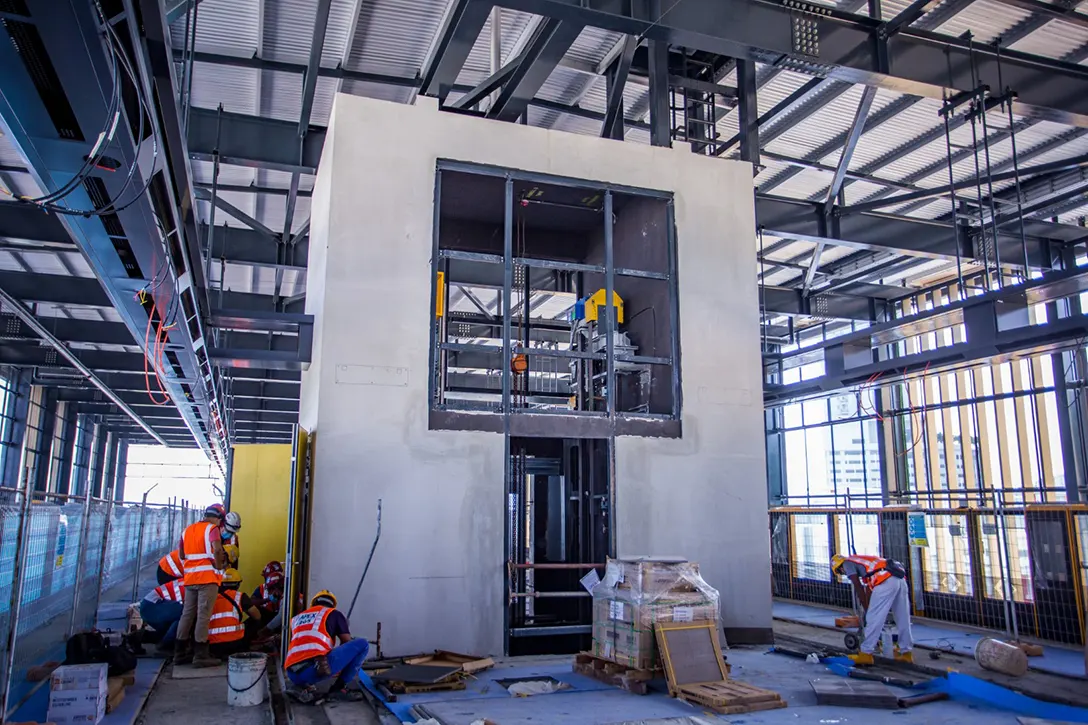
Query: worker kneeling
227	633
880	586
161	611
311	658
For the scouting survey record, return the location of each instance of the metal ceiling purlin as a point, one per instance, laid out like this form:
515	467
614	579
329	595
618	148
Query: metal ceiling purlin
70	33
919	62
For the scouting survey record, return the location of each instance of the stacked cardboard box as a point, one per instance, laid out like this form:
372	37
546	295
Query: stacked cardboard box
78	694
634	595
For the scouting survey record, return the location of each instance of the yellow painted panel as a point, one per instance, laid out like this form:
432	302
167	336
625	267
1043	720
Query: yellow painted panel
259	492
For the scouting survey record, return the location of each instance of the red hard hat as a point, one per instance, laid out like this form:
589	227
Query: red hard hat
216	509
272	568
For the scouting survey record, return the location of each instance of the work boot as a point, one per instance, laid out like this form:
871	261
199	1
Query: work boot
344	694
862	659
183	652
904	657
303	694
203	657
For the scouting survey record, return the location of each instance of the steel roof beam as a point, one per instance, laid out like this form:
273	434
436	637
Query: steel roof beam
793	302
462	25
612	127
26	221
547	47
246	246
929	239
1026	173
853	135
918	62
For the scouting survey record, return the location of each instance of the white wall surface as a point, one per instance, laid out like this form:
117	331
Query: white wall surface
437	576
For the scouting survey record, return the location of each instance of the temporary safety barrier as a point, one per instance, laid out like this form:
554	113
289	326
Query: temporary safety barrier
60	556
1021	569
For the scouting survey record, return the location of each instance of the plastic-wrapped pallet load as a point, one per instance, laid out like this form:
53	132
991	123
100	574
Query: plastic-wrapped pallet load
634	594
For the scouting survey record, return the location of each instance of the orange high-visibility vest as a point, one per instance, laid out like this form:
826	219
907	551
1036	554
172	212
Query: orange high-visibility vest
309	638
875	571
170	592
199	555
172	564
226	622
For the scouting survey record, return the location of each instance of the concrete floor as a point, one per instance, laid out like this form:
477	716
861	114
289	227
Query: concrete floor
198	702
588	703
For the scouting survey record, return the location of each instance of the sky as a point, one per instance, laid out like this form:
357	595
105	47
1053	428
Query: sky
168	472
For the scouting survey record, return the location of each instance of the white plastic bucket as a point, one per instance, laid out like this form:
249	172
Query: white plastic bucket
247	679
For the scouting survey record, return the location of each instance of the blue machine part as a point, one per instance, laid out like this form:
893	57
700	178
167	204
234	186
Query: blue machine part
578	312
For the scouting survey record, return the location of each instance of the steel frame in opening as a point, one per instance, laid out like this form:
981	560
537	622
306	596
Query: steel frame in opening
508	260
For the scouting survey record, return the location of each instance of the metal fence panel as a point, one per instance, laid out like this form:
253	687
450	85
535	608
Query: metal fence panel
1021	569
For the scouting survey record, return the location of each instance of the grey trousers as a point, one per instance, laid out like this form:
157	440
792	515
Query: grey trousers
199	602
890	597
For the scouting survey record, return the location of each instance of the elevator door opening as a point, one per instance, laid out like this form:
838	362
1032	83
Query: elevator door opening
559	529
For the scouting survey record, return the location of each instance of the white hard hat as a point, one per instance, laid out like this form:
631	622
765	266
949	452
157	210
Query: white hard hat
233	522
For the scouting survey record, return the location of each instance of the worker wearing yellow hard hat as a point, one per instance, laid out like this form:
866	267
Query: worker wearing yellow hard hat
880	586
227	631
311	657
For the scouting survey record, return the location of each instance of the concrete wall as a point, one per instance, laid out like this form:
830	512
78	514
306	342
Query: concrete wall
437	575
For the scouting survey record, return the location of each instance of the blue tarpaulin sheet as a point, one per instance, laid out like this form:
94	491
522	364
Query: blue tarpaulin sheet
972	689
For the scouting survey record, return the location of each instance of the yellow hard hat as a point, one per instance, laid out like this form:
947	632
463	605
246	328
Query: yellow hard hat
324	598
837	561
231	576
232	554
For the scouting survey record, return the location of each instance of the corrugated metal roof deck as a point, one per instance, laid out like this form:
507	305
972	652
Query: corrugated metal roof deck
396	37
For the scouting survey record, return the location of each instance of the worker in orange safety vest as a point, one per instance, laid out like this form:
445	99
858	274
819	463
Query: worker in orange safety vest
880	586
204	561
161	610
227	633
170	567
311	657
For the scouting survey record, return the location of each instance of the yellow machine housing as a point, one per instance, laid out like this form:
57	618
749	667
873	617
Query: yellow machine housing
597	301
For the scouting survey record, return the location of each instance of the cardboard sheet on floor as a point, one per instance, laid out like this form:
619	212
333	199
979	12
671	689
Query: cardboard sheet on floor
691	653
417	674
188	672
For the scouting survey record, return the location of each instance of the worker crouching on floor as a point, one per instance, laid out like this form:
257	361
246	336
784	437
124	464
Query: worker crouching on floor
228	634
161	611
311	657
880	586
204	559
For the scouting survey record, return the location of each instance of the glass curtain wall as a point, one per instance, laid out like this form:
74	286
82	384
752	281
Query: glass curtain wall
939	440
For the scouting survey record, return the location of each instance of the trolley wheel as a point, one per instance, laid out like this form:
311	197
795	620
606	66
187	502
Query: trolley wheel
852	641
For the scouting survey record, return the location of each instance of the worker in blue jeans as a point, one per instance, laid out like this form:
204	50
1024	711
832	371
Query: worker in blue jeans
312	659
161	610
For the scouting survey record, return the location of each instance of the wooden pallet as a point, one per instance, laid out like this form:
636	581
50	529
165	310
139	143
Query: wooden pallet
612	673
415	688
731	697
